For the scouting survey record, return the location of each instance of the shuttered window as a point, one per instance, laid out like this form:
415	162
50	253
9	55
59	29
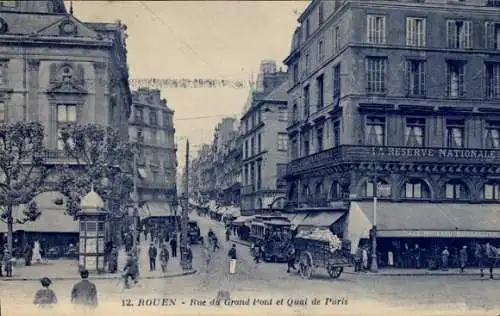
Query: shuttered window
459	34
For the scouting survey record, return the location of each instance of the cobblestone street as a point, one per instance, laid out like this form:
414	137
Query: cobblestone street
267	280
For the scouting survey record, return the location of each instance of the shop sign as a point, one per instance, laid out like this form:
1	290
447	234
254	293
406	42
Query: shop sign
405	152
438	233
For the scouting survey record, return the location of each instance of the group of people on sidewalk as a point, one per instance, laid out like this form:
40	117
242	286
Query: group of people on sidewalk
83	293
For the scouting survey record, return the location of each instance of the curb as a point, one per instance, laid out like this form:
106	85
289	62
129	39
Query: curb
410	274
103	278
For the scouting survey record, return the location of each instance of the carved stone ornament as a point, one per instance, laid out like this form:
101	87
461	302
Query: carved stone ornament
4	27
67	28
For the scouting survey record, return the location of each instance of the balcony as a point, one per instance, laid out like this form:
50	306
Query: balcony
369	154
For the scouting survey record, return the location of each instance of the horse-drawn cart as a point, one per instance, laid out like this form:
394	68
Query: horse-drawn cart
321	249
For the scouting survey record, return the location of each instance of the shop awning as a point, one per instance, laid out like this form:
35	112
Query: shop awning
155	209
434	219
52	219
298	219
321	219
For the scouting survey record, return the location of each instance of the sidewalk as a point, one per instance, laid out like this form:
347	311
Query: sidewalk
66	269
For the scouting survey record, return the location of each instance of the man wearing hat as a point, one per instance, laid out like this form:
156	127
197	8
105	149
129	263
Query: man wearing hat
45	297
84	292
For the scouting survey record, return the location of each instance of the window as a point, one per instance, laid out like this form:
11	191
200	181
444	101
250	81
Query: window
455	133
140	135
252	146
336	134
246	148
336	39
321	92
375	131
306	101
259	174
376	73
283	114
336	81
459	34
139	114
416	77
66	115
492	135
282	141
153	118
493	80
493	3
415	32
375	29
415	132
295	74
415	189
307	63
245	175
259	143
321	50
305	143
492	35
3	112
295	149
154	137
252	175
166	120
369	189
455	74
3	68
305	192
319	139
308	29
321	14
336	191
295	113
455	190
491	191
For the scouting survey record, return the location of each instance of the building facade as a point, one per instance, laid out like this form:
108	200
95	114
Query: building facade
264	141
151	129
398	99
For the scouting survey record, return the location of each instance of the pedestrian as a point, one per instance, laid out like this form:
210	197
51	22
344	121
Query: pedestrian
417	255
164	257
45	297
215	243
357	259
130	270
28	253
113	260
228	233
84	292
464	257
189	257
445	254
7	263
232	259
364	258
173	246
491	254
291	257
152	253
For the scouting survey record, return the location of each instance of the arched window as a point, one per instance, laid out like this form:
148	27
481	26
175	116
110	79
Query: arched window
336	191
259	203
415	189
368	188
491	191
456	190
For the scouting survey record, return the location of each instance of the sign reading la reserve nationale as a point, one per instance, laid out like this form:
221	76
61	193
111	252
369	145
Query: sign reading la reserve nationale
445	153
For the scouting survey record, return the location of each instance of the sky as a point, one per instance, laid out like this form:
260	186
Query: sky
199	39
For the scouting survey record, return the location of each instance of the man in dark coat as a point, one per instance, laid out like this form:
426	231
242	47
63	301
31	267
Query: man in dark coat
152	253
28	253
84	292
173	245
131	270
464	257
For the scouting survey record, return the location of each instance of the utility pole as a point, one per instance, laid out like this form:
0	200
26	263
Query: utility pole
135	216
184	214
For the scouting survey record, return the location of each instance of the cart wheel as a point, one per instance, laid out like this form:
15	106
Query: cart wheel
306	266
334	272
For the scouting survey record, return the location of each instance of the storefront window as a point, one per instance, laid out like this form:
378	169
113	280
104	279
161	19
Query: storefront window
491	191
415	189
456	190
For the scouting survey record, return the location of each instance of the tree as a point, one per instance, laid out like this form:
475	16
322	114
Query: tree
23	171
102	158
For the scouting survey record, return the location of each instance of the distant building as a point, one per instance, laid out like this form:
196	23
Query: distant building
264	141
151	129
398	99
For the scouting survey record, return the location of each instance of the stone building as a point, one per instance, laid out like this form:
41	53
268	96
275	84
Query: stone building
151	129
231	182
59	70
403	94
264	141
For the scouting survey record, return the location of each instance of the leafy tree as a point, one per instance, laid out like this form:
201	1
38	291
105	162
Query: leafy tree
22	171
103	160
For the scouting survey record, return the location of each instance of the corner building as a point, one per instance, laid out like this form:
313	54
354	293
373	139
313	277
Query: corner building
404	94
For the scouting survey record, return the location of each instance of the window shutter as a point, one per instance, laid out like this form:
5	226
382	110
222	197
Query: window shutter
408	32
451	33
369	28
468	34
424	32
489	34
383	31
